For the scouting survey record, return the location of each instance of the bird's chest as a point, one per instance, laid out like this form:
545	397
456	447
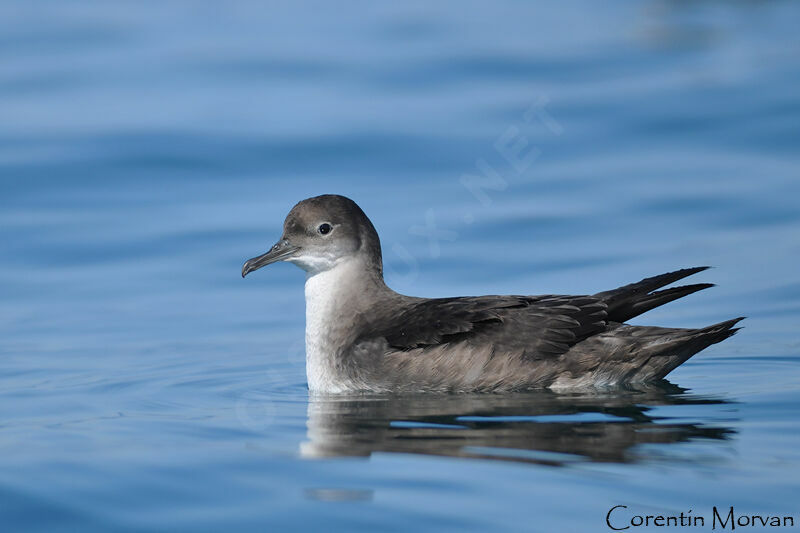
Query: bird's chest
326	332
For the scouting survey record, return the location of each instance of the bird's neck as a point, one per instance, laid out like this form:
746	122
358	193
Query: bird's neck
338	302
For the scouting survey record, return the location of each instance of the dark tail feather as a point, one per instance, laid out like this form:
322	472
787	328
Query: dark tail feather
634	299
667	356
630	308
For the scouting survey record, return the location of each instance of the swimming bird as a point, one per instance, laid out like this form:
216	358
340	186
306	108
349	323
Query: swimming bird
361	336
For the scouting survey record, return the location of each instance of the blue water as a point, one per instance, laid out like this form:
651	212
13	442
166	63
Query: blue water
147	149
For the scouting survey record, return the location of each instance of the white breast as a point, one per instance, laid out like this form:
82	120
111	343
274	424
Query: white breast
324	294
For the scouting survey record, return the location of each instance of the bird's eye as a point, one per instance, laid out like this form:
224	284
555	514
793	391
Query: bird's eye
325	228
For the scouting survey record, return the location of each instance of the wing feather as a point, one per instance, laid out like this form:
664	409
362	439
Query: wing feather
538	326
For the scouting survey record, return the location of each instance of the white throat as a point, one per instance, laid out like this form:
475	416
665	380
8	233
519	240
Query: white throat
326	292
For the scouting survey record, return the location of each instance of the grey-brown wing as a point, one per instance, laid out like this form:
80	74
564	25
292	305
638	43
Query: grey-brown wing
538	326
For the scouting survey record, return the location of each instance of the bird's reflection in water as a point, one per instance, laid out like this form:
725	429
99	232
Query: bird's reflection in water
537	427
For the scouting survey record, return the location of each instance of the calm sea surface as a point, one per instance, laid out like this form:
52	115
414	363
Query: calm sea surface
147	149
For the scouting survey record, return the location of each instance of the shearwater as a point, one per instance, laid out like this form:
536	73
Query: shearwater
361	336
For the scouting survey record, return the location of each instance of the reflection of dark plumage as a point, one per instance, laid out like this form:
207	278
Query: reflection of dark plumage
363	336
539	426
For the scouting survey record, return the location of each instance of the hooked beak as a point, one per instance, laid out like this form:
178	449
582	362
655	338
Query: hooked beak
280	252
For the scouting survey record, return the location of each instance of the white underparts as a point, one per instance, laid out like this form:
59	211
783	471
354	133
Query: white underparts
324	293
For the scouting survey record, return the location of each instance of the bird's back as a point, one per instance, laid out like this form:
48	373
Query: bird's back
523	342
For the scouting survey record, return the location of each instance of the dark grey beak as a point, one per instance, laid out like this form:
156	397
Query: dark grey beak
281	251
